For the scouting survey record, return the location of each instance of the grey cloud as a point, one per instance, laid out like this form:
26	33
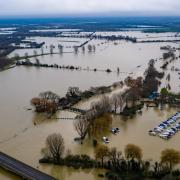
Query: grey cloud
28	7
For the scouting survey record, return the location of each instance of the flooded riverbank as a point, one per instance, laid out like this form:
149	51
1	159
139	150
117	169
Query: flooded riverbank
23	133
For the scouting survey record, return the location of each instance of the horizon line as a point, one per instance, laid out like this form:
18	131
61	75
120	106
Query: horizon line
6	17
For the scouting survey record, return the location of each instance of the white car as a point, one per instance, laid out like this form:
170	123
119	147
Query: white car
106	140
115	130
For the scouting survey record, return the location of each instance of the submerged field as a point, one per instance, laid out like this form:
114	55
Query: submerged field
23	132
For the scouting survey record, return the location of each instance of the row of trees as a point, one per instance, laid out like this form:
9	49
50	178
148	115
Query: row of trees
90	48
98	109
111	158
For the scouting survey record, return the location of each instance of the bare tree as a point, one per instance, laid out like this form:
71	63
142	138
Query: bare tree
83	49
60	47
121	102
73	91
49	96
55	146
115	156
37	62
46	102
42	51
26	55
81	126
101	152
94	48
90	48
168	77
115	102
75	49
35	53
51	49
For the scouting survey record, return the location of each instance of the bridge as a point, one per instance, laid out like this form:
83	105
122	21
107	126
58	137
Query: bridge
21	169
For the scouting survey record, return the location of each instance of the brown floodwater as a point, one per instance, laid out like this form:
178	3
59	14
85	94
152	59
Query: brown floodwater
20	138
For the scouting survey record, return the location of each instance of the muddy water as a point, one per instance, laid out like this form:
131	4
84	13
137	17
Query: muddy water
23	133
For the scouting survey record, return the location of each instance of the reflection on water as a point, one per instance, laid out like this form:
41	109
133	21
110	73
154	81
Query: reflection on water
64	173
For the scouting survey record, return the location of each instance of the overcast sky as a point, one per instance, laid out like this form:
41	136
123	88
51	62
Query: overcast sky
89	7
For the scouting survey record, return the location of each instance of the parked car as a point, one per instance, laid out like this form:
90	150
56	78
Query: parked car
105	140
115	130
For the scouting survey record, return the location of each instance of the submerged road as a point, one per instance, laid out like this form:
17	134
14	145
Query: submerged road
21	169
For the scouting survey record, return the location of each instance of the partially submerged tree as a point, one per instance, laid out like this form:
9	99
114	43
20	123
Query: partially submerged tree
100	125
42	51
35	53
81	126
46	102
83	49
26	55
51	49
90	48
170	157
37	62
94	48
118	102
133	152
73	92
115	102
115	156
75	49
101	152
55	146
49	96
60	47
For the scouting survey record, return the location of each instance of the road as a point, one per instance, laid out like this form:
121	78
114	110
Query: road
21	169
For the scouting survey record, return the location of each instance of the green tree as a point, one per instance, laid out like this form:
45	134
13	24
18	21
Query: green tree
164	91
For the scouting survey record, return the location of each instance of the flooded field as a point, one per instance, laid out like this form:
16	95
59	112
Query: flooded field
23	132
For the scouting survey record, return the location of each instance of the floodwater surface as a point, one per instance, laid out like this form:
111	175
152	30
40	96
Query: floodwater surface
23	132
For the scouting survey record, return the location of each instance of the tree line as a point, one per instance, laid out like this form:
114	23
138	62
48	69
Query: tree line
128	166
